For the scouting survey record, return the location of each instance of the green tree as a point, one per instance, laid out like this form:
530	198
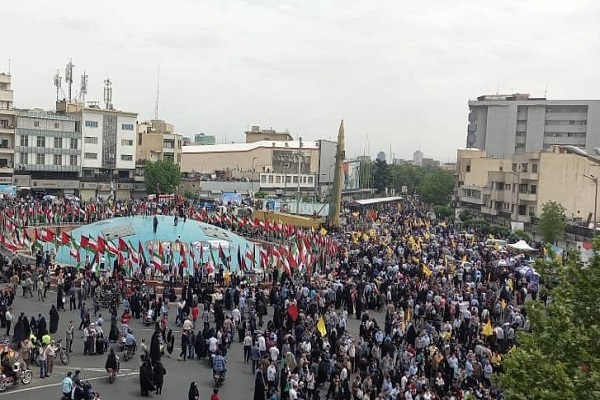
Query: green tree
381	176
162	176
436	187
552	222
559	359
406	175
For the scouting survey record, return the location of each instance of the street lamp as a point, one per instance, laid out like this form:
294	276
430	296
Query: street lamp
252	176
595	180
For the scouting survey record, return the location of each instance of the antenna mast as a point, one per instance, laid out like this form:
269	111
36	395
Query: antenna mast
69	77
57	83
83	87
108	94
157	92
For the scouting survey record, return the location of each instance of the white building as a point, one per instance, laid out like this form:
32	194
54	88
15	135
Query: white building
108	148
7	129
504	125
47	152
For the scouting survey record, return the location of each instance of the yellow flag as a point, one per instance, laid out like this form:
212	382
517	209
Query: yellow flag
355	214
503	304
323	231
321	327
408	315
426	271
511	285
487	329
464	258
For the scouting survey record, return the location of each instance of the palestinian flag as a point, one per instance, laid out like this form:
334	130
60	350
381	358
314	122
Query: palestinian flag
111	248
47	236
101	246
89	243
141	253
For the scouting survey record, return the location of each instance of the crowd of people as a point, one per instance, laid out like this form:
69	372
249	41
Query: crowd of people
437	309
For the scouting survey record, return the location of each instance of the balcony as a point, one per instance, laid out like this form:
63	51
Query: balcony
530	197
52	168
7	130
528	176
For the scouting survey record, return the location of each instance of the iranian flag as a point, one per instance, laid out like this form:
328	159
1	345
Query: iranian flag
157	262
47	236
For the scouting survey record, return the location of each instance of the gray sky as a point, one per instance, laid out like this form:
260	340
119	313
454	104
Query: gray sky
399	73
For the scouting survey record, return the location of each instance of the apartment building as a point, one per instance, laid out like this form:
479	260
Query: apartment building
514	190
7	129
504	125
157	140
47	152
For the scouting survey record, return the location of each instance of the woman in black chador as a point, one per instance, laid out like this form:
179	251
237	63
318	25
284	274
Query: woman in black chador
146	376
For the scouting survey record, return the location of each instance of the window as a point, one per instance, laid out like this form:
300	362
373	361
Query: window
36	123
523	188
91	140
57	159
139	139
524	167
41	141
73	144
534	168
4	123
91	156
73	160
271	178
263	179
56	125
58	142
507	186
468	168
278	179
40	159
533	189
295	179
127	127
91	124
310	180
126	142
126	157
24	158
24	141
522	209
288	179
514	167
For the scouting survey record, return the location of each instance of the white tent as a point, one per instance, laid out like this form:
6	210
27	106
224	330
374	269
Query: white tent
521	245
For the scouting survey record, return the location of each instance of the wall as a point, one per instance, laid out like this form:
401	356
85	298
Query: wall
561	178
95	132
125	134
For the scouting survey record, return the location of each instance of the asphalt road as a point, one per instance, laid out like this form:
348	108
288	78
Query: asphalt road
239	385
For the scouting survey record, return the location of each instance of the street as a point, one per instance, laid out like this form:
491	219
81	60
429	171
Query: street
239	385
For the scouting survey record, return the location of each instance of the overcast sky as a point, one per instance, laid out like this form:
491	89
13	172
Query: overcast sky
399	73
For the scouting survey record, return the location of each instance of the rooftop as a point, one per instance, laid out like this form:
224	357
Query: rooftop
242	147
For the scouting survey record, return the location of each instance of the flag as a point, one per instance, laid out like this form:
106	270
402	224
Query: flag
101	246
47	236
250	254
111	248
88	243
157	262
95	262
293	311
193	256
141	253
75	254
212	256
64	238
426	271
239	258
487	330
321	327
123	245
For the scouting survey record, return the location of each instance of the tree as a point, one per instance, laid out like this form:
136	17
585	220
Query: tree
381	176
559	359
162	176
552	222
408	175
436	187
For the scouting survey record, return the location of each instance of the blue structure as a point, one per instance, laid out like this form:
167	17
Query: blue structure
191	233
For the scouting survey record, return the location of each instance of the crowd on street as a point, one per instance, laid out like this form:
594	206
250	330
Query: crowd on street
437	310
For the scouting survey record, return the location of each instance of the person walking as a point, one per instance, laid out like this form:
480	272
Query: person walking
70	336
193	393
9	318
43	358
185	339
158	376
50	354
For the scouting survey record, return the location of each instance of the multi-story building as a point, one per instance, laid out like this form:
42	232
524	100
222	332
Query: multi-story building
504	125
157	140
108	148
514	190
255	134
47	152
7	129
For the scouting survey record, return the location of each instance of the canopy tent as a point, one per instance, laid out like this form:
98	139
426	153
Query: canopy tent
521	245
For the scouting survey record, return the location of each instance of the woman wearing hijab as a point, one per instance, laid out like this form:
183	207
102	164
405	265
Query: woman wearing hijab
146	376
42	328
260	384
54	317
19	330
193	393
155	344
113	335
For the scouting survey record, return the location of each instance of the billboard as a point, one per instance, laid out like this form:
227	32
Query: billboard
351	175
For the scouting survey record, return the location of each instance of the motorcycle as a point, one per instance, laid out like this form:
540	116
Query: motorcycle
128	352
23	375
219	378
61	352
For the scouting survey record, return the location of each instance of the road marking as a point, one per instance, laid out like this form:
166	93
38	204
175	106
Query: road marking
92	369
28	389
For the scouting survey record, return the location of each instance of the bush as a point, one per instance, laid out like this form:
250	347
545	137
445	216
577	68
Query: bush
443	212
